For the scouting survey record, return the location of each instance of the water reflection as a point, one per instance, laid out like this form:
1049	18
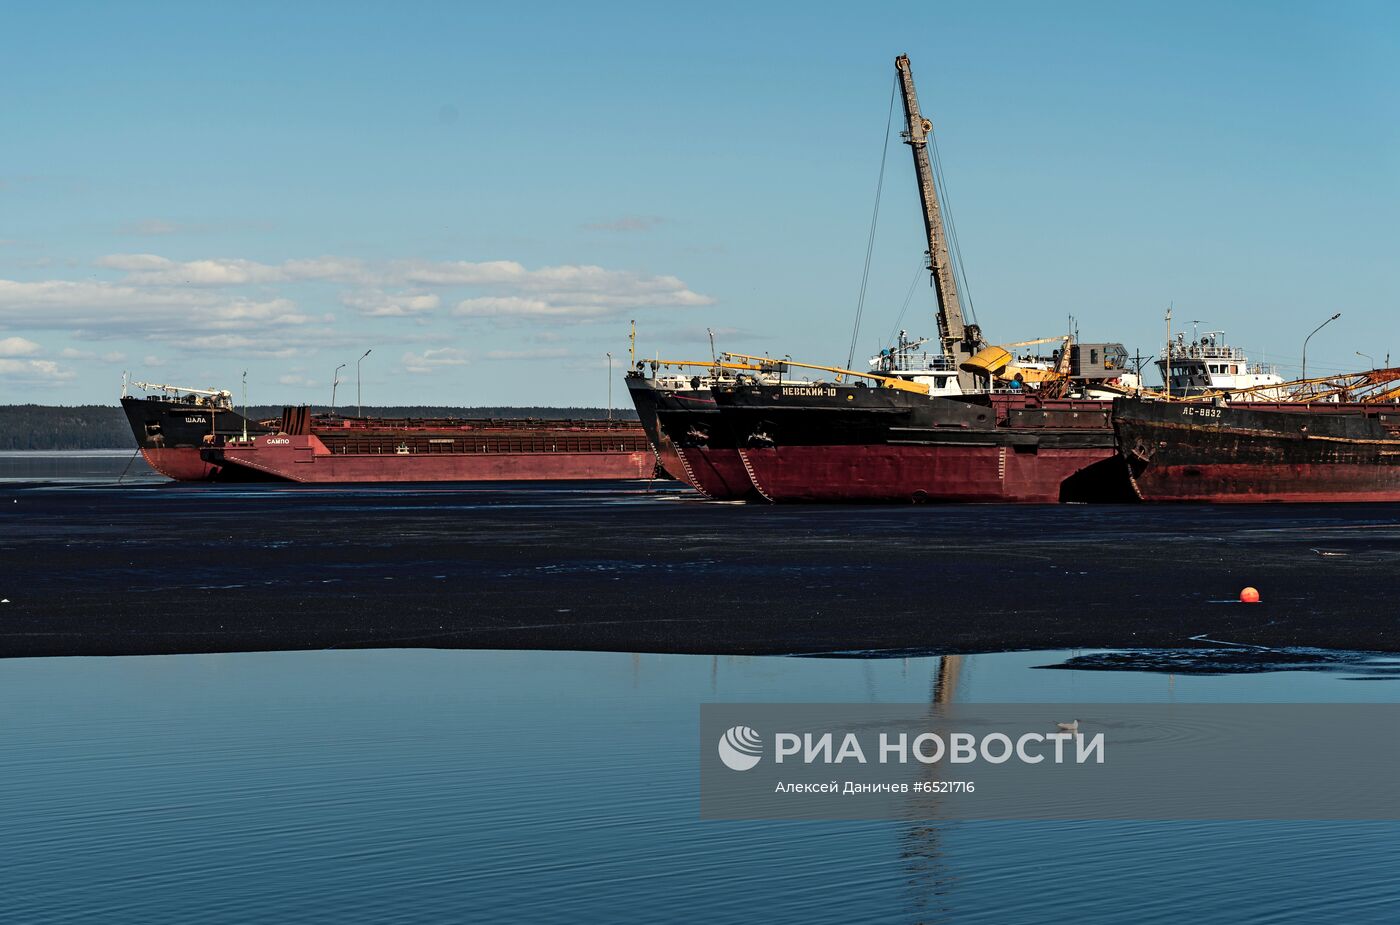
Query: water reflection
77	466
1357	666
546	786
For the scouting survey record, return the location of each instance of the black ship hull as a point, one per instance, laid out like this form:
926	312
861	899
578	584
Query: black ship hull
844	443
1243	453
705	449
171	433
646	397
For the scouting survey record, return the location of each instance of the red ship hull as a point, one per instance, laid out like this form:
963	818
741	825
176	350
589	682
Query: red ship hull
647	397
1227	483
718	474
182	463
306	458
884	473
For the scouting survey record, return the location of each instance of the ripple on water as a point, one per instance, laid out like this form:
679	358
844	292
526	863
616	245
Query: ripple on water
414	785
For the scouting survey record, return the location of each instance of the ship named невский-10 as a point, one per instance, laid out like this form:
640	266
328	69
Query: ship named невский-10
965	421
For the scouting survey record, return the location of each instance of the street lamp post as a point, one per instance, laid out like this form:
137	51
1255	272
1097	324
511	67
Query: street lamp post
1309	337
335	381
359	408
610	371
1368	358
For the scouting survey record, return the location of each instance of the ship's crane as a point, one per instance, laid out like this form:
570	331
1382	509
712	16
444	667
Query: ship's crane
1373	387
216	396
778	367
887	382
960	340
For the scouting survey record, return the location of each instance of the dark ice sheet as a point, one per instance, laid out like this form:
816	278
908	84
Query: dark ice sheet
150	568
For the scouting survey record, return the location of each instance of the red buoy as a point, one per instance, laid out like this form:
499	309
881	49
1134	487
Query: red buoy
1249	596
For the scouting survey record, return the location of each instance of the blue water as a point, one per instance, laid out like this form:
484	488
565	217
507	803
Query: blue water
76	467
466	786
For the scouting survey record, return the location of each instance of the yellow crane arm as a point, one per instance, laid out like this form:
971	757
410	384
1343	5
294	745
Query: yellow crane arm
888	382
710	364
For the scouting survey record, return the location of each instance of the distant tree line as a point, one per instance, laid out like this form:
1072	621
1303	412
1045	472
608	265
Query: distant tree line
101	427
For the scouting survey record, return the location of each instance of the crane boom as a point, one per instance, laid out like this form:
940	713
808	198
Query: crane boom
960	340
178	389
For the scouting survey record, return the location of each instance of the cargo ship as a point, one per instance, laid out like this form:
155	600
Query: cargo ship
172	423
196	435
690	427
1227	451
708	445
961	420
334	449
718	477
693	397
842	443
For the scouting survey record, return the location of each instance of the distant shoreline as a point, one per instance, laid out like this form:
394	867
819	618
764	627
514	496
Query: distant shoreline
104	427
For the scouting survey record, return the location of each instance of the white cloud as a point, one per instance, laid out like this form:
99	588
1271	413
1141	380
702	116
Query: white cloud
567	289
429	360
134	262
457	273
538	353
153	270
627	223
297	380
375	303
224	342
237	304
51	304
150	270
151	226
150	360
34	370
336	269
506	305
17	347
111	356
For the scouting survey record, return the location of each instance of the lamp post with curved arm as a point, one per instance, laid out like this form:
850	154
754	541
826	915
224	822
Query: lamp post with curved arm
335	381
1309	337
359	408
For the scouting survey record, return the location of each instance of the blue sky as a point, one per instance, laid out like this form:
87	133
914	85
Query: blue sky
486	195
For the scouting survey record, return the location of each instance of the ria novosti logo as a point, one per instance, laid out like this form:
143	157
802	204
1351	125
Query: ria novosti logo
740	748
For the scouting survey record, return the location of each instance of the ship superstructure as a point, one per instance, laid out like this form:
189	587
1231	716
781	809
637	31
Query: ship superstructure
1208	364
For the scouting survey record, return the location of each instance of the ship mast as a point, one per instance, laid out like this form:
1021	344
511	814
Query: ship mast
960	340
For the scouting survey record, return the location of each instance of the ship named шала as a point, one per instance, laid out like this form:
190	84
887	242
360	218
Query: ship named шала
196	435
172	423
